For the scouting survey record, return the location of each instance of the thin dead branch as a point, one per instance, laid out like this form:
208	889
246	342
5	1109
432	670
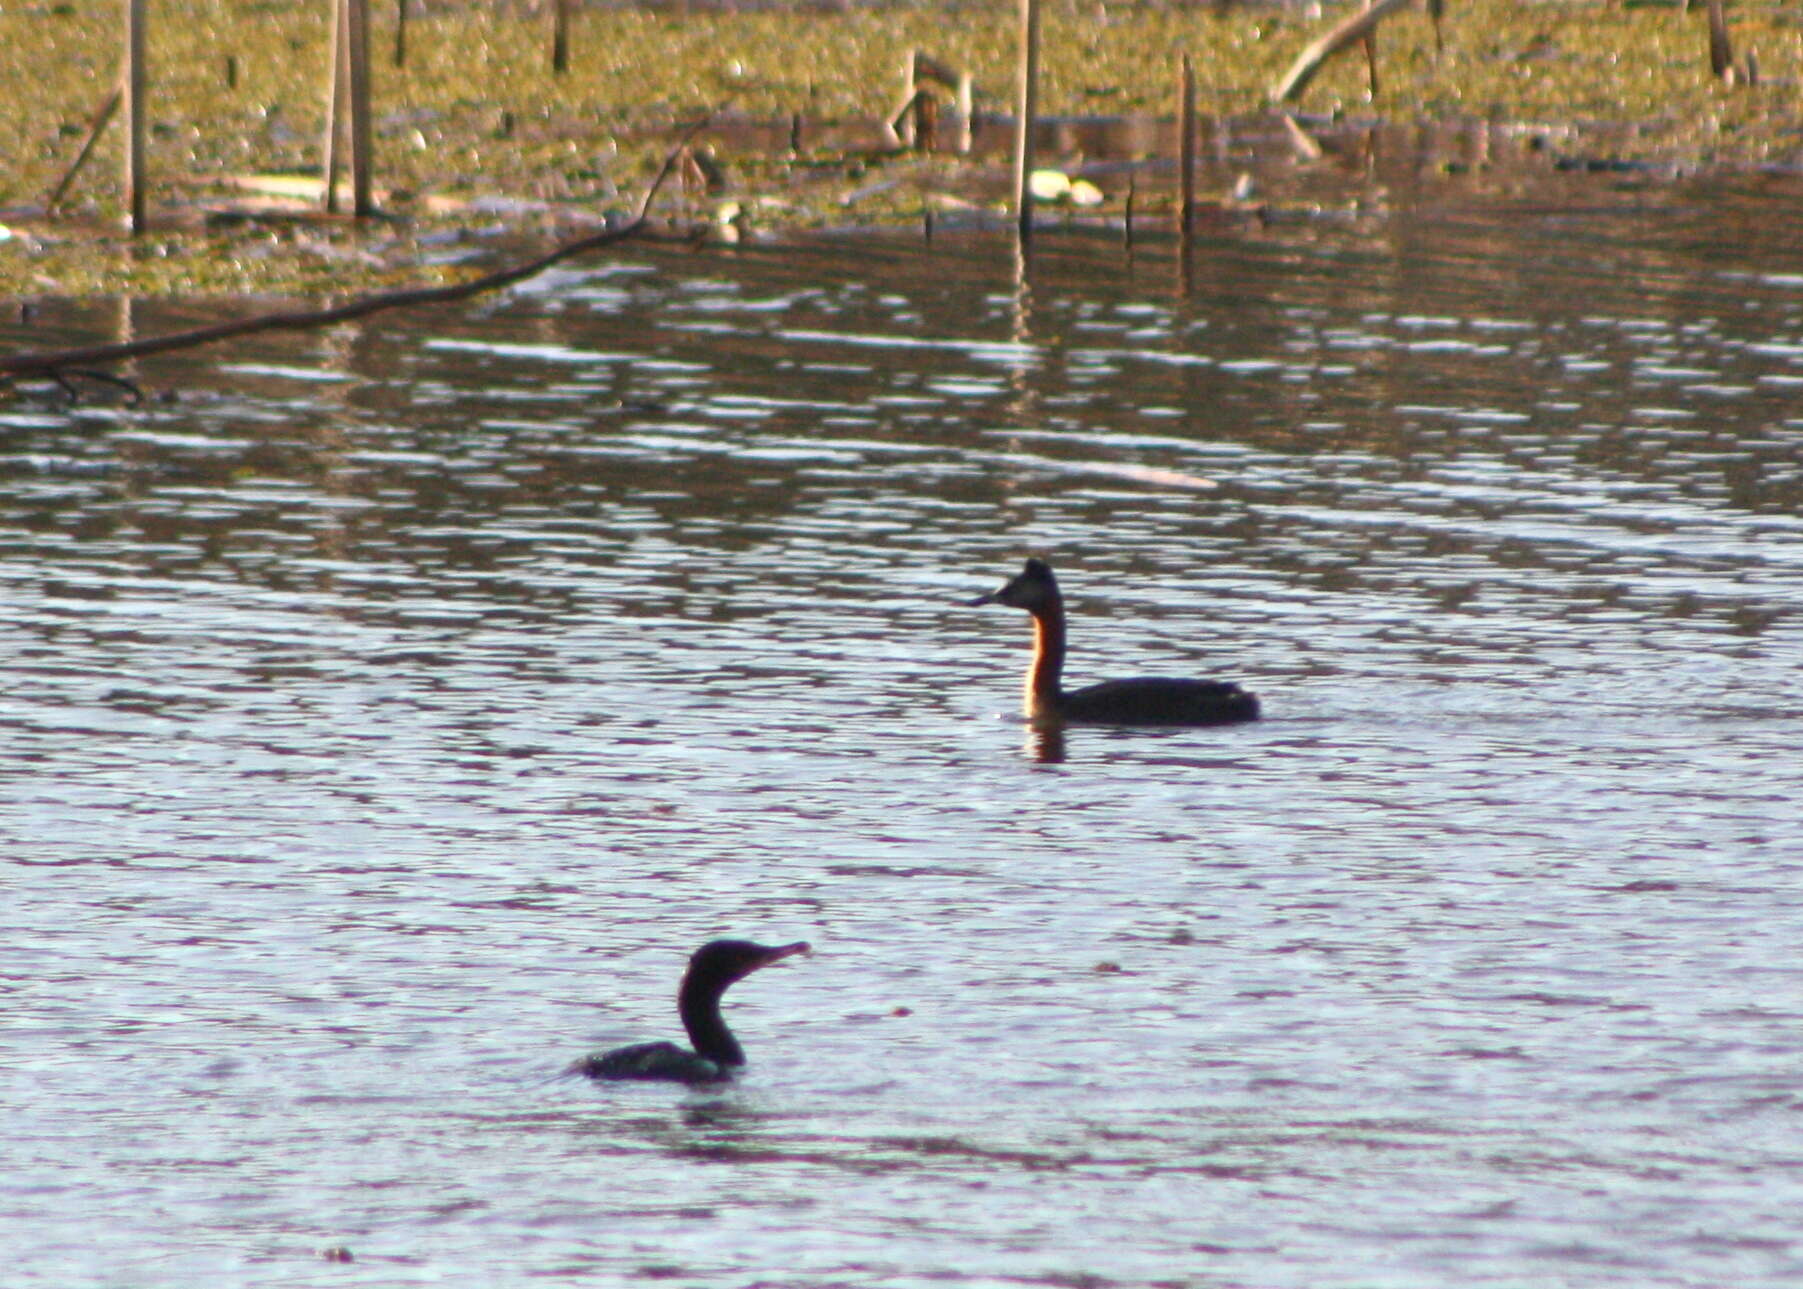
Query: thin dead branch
96	127
133	395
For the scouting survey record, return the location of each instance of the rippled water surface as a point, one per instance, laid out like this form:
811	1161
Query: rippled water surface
388	712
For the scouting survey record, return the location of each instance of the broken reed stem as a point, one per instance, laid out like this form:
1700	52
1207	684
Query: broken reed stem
1307	148
1186	145
903	120
926	122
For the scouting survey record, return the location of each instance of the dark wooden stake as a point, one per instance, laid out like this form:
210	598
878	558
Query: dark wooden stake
1721	51
400	33
560	38
362	133
336	82
1026	111
136	181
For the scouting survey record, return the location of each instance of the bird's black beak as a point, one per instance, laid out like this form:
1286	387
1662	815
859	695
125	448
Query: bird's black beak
782	951
981	599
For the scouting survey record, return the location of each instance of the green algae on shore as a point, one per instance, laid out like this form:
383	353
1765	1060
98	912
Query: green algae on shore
476	112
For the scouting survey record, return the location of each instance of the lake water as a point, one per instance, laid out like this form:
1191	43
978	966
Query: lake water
389	711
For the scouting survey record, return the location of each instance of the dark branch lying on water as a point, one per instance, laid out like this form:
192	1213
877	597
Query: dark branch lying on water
49	363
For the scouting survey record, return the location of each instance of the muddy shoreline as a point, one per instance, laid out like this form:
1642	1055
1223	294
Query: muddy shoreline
476	140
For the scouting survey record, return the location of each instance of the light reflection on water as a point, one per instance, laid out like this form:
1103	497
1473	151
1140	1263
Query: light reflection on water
389	713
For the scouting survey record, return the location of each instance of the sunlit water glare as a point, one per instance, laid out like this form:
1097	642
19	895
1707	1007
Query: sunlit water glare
389	712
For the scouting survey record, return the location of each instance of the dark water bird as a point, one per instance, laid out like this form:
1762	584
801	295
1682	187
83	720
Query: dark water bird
713	969
1147	701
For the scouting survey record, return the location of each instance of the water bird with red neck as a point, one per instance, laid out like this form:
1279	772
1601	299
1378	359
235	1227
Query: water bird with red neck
1144	701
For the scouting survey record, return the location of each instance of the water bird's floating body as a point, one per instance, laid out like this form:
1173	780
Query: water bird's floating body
713	968
1144	701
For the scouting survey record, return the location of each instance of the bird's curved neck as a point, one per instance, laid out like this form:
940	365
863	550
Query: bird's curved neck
1045	674
699	1005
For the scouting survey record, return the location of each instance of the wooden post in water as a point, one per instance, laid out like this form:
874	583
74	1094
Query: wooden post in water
335	95
1026	109
136	181
1186	142
560	38
362	134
